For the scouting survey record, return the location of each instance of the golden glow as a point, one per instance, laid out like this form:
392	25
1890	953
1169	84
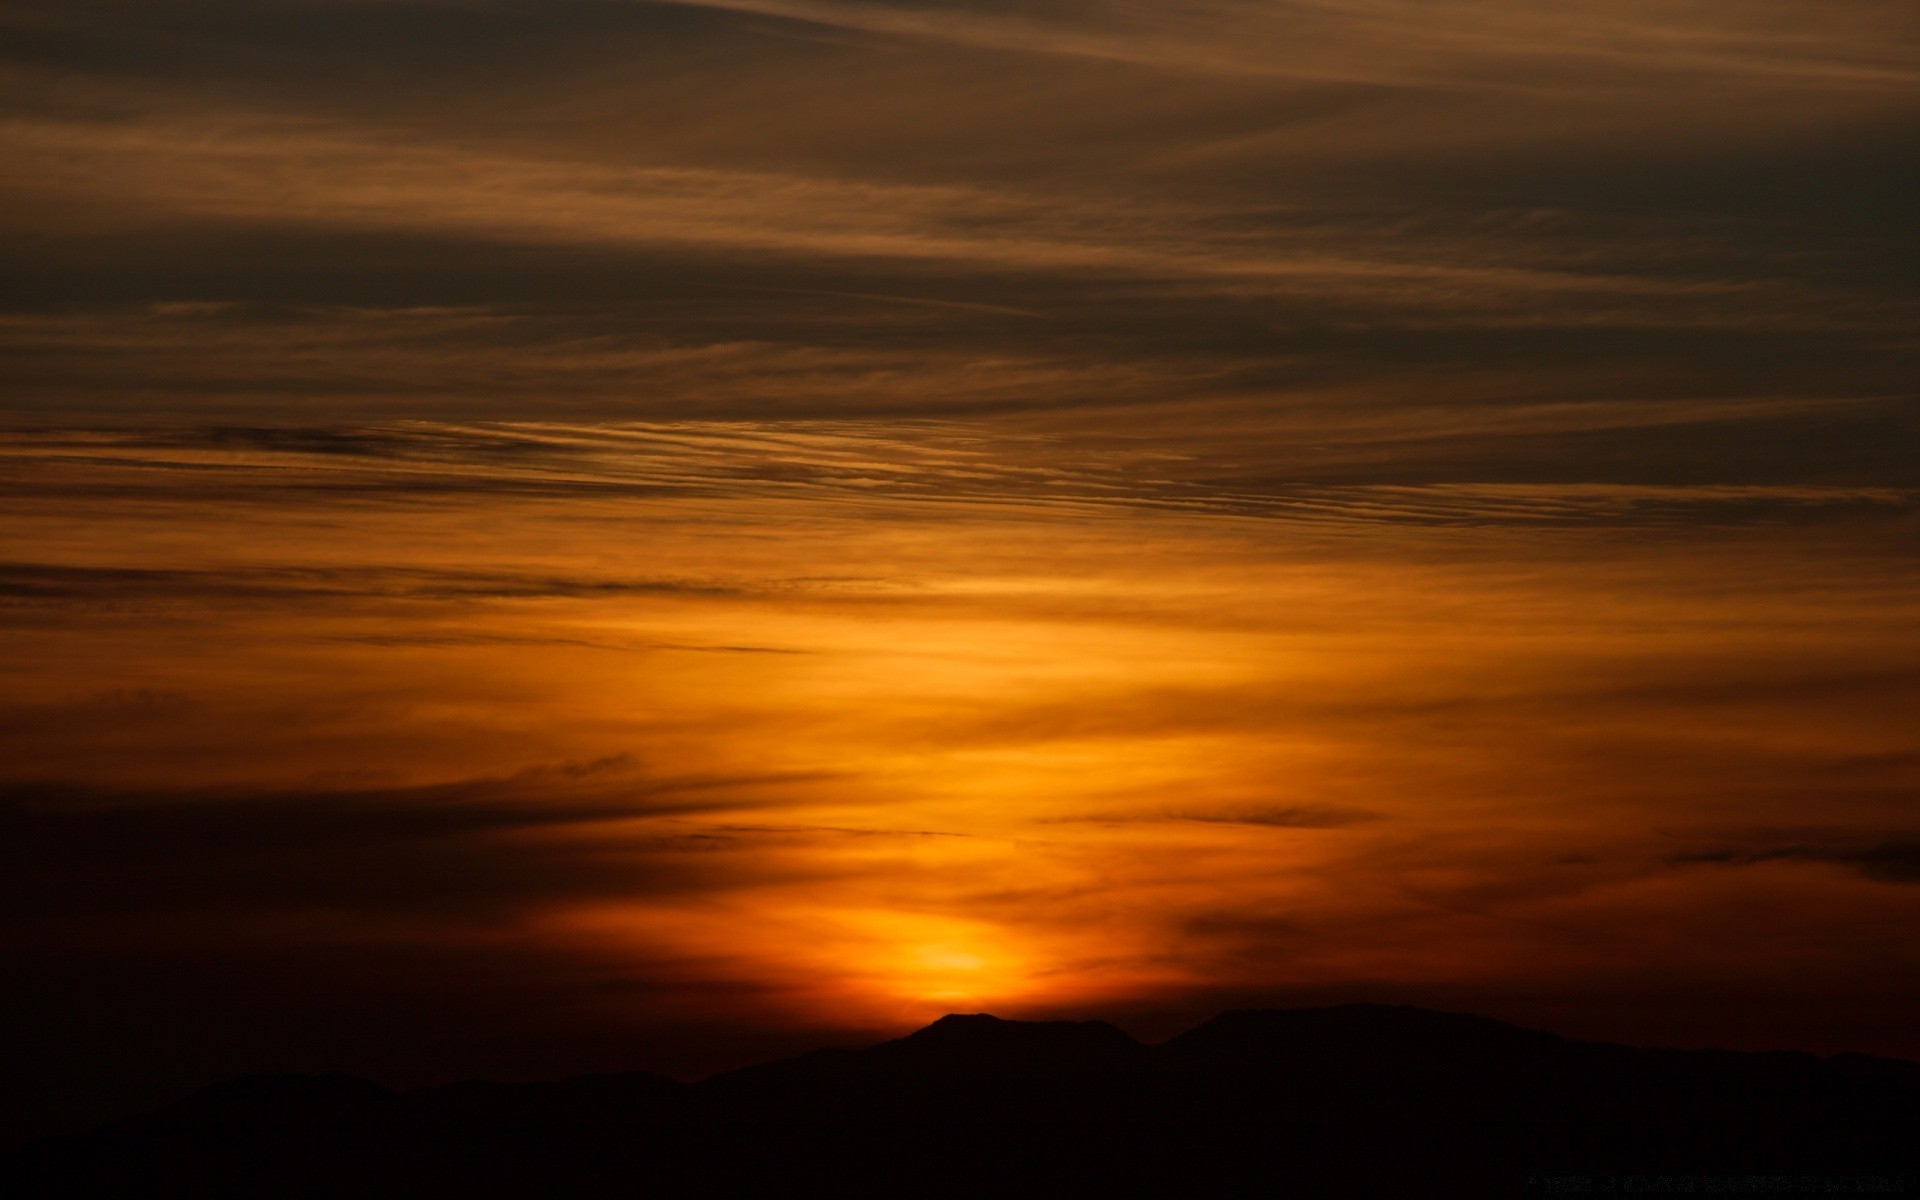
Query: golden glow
868	761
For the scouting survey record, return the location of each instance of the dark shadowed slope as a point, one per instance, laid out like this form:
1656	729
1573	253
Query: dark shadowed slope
1356	1100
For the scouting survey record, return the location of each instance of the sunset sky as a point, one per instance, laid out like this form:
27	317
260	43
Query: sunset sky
560	535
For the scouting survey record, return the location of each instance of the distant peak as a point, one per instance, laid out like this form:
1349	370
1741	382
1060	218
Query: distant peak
968	1020
985	1029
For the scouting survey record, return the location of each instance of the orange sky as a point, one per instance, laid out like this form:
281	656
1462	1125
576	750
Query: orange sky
859	727
626	533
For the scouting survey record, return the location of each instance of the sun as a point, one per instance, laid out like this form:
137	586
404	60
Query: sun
933	960
948	973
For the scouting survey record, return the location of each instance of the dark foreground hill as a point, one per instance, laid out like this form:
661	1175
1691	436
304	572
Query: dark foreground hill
1357	1100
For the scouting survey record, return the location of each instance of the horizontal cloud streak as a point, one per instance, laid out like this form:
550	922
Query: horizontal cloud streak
452	851
235	170
948	462
1893	860
1398	42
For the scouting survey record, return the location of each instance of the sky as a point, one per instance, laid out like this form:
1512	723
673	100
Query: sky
605	534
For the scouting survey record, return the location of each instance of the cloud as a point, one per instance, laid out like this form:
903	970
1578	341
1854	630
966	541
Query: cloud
1279	816
1313	38
228	167
40	583
1399	42
486	850
229	361
605	211
1895	859
1291	816
906	463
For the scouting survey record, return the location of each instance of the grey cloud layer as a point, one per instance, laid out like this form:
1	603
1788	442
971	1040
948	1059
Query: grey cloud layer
1297	215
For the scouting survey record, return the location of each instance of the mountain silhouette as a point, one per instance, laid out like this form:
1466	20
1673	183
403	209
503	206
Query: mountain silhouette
1353	1100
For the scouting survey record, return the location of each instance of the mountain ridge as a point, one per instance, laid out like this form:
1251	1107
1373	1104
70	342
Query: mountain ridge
1356	1100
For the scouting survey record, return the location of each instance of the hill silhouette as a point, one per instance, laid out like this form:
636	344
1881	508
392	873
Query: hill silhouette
1353	1100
